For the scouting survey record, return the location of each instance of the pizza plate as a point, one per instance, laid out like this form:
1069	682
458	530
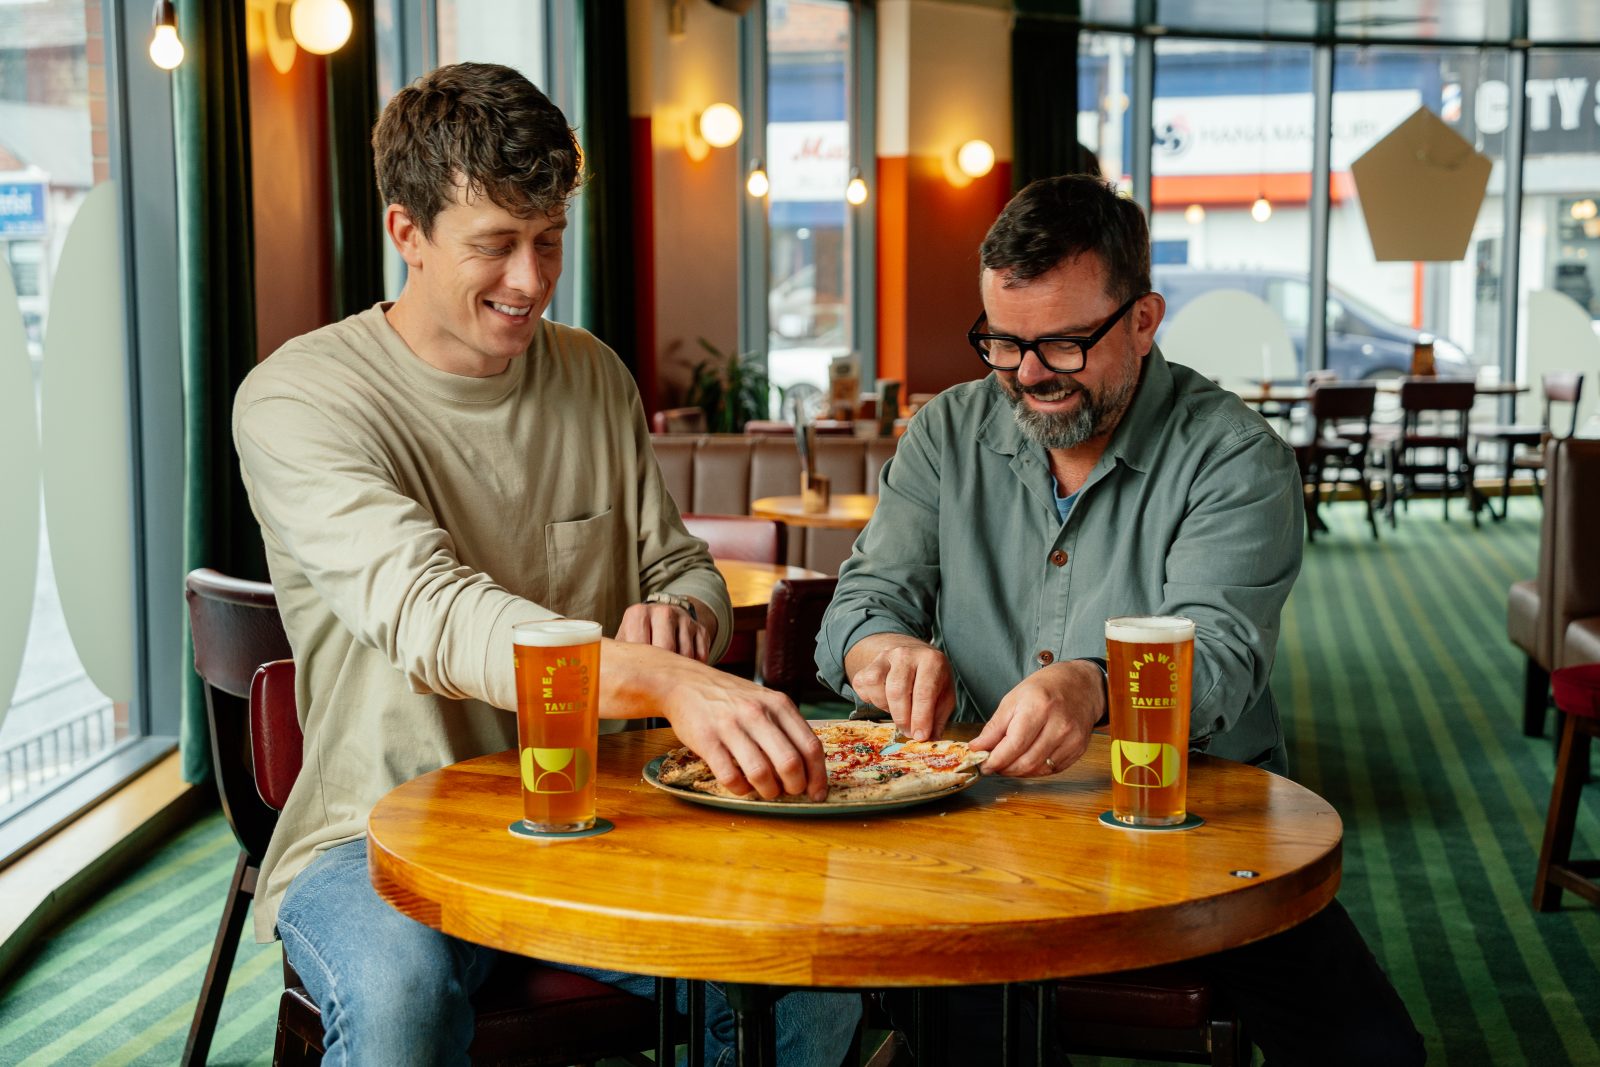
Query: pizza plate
652	776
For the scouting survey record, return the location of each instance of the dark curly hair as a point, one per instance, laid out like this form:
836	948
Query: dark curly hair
1056	219
479	129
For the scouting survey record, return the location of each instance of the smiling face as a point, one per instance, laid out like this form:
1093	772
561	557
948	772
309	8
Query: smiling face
477	285
1064	411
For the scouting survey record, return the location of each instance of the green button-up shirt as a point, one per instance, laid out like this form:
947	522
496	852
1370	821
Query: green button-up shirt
1194	509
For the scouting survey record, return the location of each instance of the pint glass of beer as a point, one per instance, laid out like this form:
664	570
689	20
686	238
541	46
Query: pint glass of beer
1149	670
558	721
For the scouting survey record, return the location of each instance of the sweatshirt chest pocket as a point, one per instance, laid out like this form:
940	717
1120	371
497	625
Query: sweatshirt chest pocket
584	568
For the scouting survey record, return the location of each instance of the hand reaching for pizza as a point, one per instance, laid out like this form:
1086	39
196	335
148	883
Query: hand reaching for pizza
668	627
751	737
909	679
1043	725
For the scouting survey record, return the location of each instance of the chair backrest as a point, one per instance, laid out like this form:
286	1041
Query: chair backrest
740	537
236	629
1562	387
1433	394
1348	400
794	618
679	420
769	428
277	746
1572	508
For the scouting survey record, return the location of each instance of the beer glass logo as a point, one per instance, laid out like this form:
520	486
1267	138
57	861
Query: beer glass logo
564	686
1144	764
554	770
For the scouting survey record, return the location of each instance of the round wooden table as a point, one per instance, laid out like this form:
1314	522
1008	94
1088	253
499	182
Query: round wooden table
846	511
1012	880
750	588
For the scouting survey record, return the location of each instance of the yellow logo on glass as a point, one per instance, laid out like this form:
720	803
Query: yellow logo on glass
564	686
1144	764
555	770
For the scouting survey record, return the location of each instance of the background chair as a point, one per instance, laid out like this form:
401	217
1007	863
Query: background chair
794	618
1432	442
751	540
1560	387
1341	431
1577	693
528	1013
679	420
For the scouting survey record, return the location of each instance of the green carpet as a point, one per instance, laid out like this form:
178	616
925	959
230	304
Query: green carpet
1401	699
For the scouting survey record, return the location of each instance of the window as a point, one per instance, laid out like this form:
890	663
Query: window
1105	93
810	127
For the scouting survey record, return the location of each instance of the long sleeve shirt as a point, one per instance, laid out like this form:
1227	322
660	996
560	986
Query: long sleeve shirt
1194	509
411	518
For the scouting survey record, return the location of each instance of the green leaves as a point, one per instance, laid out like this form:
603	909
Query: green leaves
731	389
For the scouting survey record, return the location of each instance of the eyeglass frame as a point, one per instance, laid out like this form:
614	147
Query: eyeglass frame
975	339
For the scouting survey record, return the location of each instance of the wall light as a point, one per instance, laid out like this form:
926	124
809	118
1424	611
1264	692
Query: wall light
320	26
166	51
1194	214
757	183
975	158
1261	210
719	124
856	191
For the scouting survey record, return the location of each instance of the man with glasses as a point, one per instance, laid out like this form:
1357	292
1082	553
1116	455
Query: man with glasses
1086	477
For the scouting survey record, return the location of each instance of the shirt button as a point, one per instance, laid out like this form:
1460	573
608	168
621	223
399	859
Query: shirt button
1059	558
1046	658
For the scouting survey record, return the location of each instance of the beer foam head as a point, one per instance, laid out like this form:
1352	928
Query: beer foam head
555	633
1150	629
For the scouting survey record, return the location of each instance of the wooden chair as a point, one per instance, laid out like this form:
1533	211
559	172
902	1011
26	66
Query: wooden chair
1432	442
1341	432
752	540
1560	387
1577	693
679	420
527	1013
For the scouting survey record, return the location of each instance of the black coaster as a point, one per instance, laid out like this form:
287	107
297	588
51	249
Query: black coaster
1190	821
601	826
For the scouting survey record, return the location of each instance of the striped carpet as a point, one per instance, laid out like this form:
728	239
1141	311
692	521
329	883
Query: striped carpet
1401	701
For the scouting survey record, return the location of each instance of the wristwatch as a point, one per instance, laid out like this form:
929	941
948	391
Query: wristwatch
1105	687
677	600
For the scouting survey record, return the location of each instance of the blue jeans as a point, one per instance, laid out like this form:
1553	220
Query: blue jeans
393	991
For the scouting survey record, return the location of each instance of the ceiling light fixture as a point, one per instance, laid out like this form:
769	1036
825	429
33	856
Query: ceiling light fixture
1194	214
856	190
166	51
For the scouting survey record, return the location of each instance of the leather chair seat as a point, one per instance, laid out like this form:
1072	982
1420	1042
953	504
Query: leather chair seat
1583	641
1522	616
1173	997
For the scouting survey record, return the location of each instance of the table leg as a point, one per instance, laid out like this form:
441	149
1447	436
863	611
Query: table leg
666	1005
755	1026
1044	1003
1010	1025
696	1025
927	1025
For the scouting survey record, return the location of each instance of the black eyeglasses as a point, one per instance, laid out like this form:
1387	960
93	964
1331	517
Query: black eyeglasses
1063	355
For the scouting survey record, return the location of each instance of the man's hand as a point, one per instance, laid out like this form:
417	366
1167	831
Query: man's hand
1043	725
668	627
750	737
909	679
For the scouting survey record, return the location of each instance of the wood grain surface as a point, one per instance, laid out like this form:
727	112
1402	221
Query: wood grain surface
750	588
1012	880
846	511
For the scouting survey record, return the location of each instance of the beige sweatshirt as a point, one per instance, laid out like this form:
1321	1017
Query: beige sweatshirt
411	517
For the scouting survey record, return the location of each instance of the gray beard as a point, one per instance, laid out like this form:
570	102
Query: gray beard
1095	415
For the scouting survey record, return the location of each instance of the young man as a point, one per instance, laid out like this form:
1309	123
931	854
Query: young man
429	473
1086	478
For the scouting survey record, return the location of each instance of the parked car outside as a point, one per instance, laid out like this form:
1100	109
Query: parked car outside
1362	341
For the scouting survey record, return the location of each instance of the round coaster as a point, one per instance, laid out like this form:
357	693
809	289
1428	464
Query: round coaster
1190	821
601	826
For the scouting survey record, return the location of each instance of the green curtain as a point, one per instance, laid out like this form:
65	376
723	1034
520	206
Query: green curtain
357	211
606	289
1044	99
217	300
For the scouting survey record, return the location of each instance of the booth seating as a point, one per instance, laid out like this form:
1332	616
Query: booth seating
1555	617
720	474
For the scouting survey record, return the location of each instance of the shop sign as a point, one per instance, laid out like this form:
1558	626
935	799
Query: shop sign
1563	106
808	160
22	209
1270	134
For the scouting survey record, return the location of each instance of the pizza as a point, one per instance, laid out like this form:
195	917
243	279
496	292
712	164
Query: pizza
858	769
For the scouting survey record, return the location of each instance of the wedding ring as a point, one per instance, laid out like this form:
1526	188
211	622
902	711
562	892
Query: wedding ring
1048	762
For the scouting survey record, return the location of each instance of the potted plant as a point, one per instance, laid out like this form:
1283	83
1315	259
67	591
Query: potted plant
731	389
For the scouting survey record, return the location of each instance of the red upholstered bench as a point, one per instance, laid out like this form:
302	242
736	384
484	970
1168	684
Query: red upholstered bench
1577	697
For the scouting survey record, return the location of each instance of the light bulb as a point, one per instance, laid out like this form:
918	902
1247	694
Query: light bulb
1194	214
1584	209
975	158
1261	210
320	26
166	51
757	184
721	125
856	191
